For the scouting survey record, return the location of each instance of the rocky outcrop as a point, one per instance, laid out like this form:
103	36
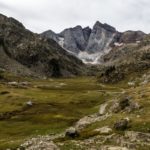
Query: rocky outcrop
25	53
122	62
131	37
121	124
39	143
125	104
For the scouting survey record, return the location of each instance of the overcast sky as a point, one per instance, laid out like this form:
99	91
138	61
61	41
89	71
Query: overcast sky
41	15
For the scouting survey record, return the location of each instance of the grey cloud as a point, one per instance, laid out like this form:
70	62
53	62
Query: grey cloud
42	15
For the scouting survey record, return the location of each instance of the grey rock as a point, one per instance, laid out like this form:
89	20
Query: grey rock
102	109
121	125
72	132
87	120
41	143
104	130
13	83
137	136
98	40
29	103
126	103
51	35
113	148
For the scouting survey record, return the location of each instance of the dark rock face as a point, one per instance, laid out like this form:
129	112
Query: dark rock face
26	53
99	40
86	32
74	39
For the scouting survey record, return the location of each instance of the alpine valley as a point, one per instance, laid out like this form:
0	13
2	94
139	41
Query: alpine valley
81	89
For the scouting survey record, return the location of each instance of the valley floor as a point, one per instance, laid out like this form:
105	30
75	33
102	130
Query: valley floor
29	108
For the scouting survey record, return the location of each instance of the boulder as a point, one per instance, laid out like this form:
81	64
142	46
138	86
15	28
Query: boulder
29	103
14	83
102	109
125	104
72	132
121	125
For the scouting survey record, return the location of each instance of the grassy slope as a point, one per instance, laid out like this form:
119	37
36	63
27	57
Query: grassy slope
57	104
140	120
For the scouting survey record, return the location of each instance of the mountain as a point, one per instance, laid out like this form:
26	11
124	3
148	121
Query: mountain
90	44
129	60
26	53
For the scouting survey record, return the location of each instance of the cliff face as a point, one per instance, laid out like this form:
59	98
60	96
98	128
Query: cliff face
26	53
90	44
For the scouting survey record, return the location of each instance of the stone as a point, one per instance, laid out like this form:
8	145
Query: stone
104	130
131	83
125	104
25	83
39	144
137	136
72	132
102	109
87	120
113	148
29	103
121	125
14	83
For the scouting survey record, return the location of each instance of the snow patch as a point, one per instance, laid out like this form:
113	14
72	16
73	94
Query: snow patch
89	58
61	41
93	58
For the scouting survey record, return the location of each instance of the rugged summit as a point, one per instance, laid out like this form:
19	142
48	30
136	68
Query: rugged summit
90	44
26	53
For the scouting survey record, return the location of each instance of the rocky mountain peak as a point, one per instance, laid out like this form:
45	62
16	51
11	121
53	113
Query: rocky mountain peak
109	28
99	25
87	28
10	21
78	27
90	44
